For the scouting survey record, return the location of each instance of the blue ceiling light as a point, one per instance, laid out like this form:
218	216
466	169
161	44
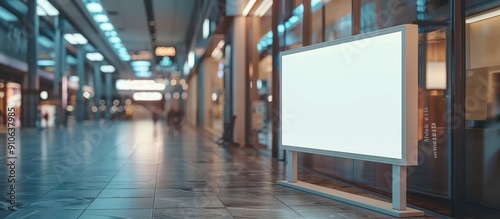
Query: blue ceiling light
125	58
166	61
45	42
6	15
140	63
101	18
269	41
290	23
94	56
94	7
75	39
114	40
144	74
97	12
106	26
107	68
110	33
294	19
141	68
281	28
44	8
46	62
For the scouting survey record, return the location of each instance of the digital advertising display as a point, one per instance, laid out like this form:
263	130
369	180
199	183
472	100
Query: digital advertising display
355	97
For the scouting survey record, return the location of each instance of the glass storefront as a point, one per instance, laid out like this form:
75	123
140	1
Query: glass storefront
482	102
429	183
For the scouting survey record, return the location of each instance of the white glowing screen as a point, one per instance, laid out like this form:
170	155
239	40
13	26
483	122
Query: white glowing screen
346	97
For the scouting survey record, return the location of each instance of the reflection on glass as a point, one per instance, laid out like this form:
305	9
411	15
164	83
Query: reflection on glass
482	133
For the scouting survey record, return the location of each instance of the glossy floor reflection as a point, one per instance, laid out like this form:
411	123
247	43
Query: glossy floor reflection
141	170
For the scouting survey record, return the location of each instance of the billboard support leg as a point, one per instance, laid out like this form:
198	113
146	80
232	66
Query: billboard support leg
398	187
291	166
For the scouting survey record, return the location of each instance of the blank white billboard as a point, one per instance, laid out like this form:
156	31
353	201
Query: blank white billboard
354	98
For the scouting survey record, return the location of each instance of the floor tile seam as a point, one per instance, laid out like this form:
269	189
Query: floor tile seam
290	207
135	147
53	189
255	207
160	142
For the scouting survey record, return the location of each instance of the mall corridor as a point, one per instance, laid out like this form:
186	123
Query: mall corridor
138	170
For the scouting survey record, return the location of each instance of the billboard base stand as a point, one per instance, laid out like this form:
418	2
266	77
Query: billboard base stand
360	201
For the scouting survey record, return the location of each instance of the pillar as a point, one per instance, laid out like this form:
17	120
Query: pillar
275	104
109	93
30	94
97	89
456	105
80	71
60	50
208	70
201	96
240	79
253	58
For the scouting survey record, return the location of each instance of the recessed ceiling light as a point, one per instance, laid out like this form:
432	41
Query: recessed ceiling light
94	56
106	26
107	68
94	7
101	18
114	40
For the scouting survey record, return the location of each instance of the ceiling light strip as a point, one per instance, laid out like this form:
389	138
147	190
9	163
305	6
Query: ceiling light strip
483	16
249	7
97	12
263	7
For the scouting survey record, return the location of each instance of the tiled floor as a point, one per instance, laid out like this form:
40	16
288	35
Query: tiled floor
138	170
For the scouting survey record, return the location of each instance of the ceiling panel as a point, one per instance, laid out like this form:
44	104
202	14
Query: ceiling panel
129	19
173	19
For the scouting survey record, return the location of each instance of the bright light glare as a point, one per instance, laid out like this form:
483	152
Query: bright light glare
147	96
44	95
108	68
106	26
80	39
191	59
143	74
146	85
115	40
48	8
248	7
40	11
94	56
86	95
259	84
140	68
214	97
94	7
46	62
206	28
101	18
140	63
263	8
70	38
483	16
